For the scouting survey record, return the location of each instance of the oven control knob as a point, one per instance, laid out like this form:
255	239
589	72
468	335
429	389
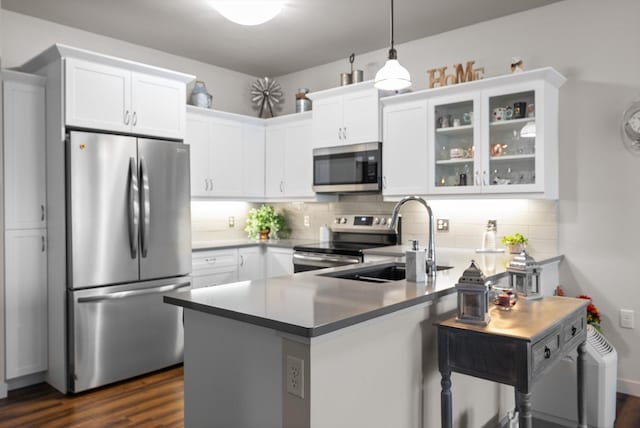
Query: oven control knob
376	220
343	220
337	220
383	221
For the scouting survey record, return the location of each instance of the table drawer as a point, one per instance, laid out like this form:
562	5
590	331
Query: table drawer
545	351
574	327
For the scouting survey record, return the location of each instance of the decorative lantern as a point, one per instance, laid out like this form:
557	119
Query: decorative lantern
473	297
524	276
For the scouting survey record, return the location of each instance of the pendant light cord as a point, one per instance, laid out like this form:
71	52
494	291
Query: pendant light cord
392	51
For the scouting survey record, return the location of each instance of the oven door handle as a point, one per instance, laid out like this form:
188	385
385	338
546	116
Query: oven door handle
330	259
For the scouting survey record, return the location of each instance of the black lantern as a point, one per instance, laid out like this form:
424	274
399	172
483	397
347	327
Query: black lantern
473	297
524	276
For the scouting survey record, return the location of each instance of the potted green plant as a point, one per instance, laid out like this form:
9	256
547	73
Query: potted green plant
263	221
516	242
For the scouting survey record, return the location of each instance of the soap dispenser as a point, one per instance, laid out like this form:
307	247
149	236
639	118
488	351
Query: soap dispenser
416	265
489	236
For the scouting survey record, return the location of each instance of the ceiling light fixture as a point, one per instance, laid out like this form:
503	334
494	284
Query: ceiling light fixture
248	12
393	76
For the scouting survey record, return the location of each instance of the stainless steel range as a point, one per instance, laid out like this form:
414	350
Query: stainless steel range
350	234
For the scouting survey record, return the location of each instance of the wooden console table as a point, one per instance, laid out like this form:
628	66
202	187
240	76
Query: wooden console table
516	348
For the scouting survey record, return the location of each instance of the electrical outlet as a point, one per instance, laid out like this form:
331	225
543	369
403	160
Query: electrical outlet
232	221
295	376
442	225
306	221
626	318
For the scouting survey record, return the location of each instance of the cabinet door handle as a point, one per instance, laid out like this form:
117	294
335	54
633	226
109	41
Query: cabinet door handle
41	212
339	133
211	184
484	178
384	181
281	186
126	117
241	260
573	330
135	119
477	178
344	133
206	184
44	245
210	260
547	353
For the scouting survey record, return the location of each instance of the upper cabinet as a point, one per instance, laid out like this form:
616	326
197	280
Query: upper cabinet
346	115
227	154
497	136
110	98
289	163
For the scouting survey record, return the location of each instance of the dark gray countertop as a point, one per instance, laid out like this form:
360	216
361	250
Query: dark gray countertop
309	305
218	244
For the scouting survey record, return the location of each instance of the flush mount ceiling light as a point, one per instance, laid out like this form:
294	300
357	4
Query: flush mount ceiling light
393	76
248	12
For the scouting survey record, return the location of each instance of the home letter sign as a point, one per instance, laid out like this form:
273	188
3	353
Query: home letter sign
439	76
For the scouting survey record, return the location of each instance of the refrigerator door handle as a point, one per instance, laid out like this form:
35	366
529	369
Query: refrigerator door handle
131	293
134	208
146	207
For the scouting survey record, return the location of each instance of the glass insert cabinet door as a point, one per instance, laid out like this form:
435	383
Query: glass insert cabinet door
513	153
453	144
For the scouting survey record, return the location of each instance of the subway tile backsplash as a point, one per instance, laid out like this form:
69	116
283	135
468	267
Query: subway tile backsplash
535	219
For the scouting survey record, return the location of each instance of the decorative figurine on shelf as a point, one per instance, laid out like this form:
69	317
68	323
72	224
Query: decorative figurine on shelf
524	276
266	92
517	66
473	297
199	95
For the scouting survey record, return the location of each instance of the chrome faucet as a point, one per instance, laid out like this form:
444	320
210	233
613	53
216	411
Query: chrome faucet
393	224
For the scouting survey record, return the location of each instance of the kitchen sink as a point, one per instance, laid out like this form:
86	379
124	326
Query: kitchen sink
379	274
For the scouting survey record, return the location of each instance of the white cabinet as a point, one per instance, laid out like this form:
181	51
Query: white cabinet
24	151
404	147
289	162
279	262
346	115
104	97
25	302
250	266
227	155
214	267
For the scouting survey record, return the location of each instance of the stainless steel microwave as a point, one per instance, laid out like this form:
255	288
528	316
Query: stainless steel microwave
350	168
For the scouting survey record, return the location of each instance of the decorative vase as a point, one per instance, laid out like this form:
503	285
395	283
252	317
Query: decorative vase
199	95
264	234
516	248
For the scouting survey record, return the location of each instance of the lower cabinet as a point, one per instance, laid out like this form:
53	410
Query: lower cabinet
25	302
214	267
250	266
279	262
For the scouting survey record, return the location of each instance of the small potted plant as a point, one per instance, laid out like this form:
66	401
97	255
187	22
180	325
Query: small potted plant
515	242
264	221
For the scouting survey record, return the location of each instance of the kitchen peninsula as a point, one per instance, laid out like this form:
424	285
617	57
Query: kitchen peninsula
311	350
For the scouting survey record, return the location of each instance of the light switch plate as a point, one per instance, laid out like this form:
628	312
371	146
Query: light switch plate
626	318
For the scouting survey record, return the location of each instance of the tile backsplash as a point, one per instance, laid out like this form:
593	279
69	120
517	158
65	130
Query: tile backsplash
535	219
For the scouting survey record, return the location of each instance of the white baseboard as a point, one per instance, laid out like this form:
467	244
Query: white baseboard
629	387
3	390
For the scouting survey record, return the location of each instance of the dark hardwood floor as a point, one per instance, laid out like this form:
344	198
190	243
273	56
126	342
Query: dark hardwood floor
149	401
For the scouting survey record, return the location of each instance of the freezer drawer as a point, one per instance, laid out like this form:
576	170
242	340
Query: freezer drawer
123	331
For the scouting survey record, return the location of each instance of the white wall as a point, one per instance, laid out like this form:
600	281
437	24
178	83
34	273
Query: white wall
24	36
594	44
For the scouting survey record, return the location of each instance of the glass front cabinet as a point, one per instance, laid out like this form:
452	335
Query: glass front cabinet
498	137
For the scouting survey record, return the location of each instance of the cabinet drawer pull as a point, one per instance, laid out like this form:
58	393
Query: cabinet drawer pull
41	212
547	353
573	330
126	117
210	260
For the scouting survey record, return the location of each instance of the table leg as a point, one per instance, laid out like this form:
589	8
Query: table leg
582	397
524	399
445	400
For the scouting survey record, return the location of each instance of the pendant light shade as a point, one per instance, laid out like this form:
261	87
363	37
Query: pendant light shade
392	76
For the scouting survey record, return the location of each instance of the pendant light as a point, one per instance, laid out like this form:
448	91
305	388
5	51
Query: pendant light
393	76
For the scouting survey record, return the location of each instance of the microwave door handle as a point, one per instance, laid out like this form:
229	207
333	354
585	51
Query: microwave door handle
132	293
145	208
134	208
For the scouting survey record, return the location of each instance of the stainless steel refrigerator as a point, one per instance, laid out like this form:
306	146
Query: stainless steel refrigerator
128	242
